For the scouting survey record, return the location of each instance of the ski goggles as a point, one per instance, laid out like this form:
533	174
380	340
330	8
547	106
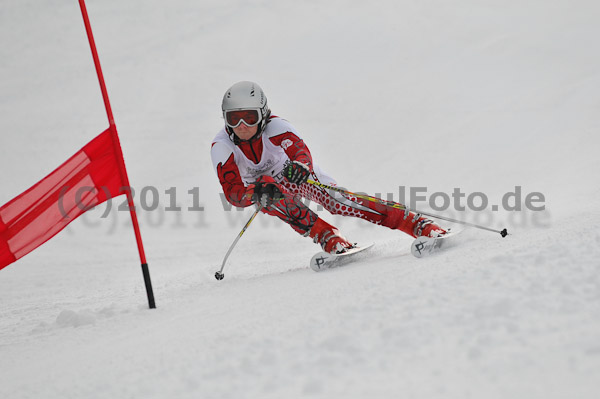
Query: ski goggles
250	117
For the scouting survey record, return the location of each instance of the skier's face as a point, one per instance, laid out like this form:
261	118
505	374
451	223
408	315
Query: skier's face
245	132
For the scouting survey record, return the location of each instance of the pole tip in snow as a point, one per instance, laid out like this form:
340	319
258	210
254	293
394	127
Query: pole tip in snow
219	276
504	233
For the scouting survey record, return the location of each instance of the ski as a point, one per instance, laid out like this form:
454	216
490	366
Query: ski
425	246
324	260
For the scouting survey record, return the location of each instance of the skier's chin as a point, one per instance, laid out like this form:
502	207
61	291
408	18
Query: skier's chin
245	137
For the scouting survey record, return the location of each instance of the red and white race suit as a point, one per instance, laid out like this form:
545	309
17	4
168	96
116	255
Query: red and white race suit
239	166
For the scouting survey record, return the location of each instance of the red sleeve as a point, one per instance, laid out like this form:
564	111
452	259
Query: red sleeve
294	147
233	187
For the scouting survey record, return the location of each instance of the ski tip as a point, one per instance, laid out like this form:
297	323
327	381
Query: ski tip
324	260
420	245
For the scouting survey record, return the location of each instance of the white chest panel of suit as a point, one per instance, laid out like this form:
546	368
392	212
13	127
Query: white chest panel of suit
272	162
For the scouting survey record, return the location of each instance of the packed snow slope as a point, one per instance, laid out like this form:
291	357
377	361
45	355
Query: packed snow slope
481	96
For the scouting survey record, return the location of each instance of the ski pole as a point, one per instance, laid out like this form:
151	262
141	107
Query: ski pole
396	205
219	275
366	197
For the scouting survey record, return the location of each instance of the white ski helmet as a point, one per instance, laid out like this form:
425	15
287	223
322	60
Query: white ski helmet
245	96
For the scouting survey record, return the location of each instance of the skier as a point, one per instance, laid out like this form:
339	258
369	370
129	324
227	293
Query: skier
261	158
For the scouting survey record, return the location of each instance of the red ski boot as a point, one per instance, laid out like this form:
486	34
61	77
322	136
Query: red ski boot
329	237
426	228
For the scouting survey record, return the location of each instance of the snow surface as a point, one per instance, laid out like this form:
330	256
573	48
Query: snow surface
481	95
